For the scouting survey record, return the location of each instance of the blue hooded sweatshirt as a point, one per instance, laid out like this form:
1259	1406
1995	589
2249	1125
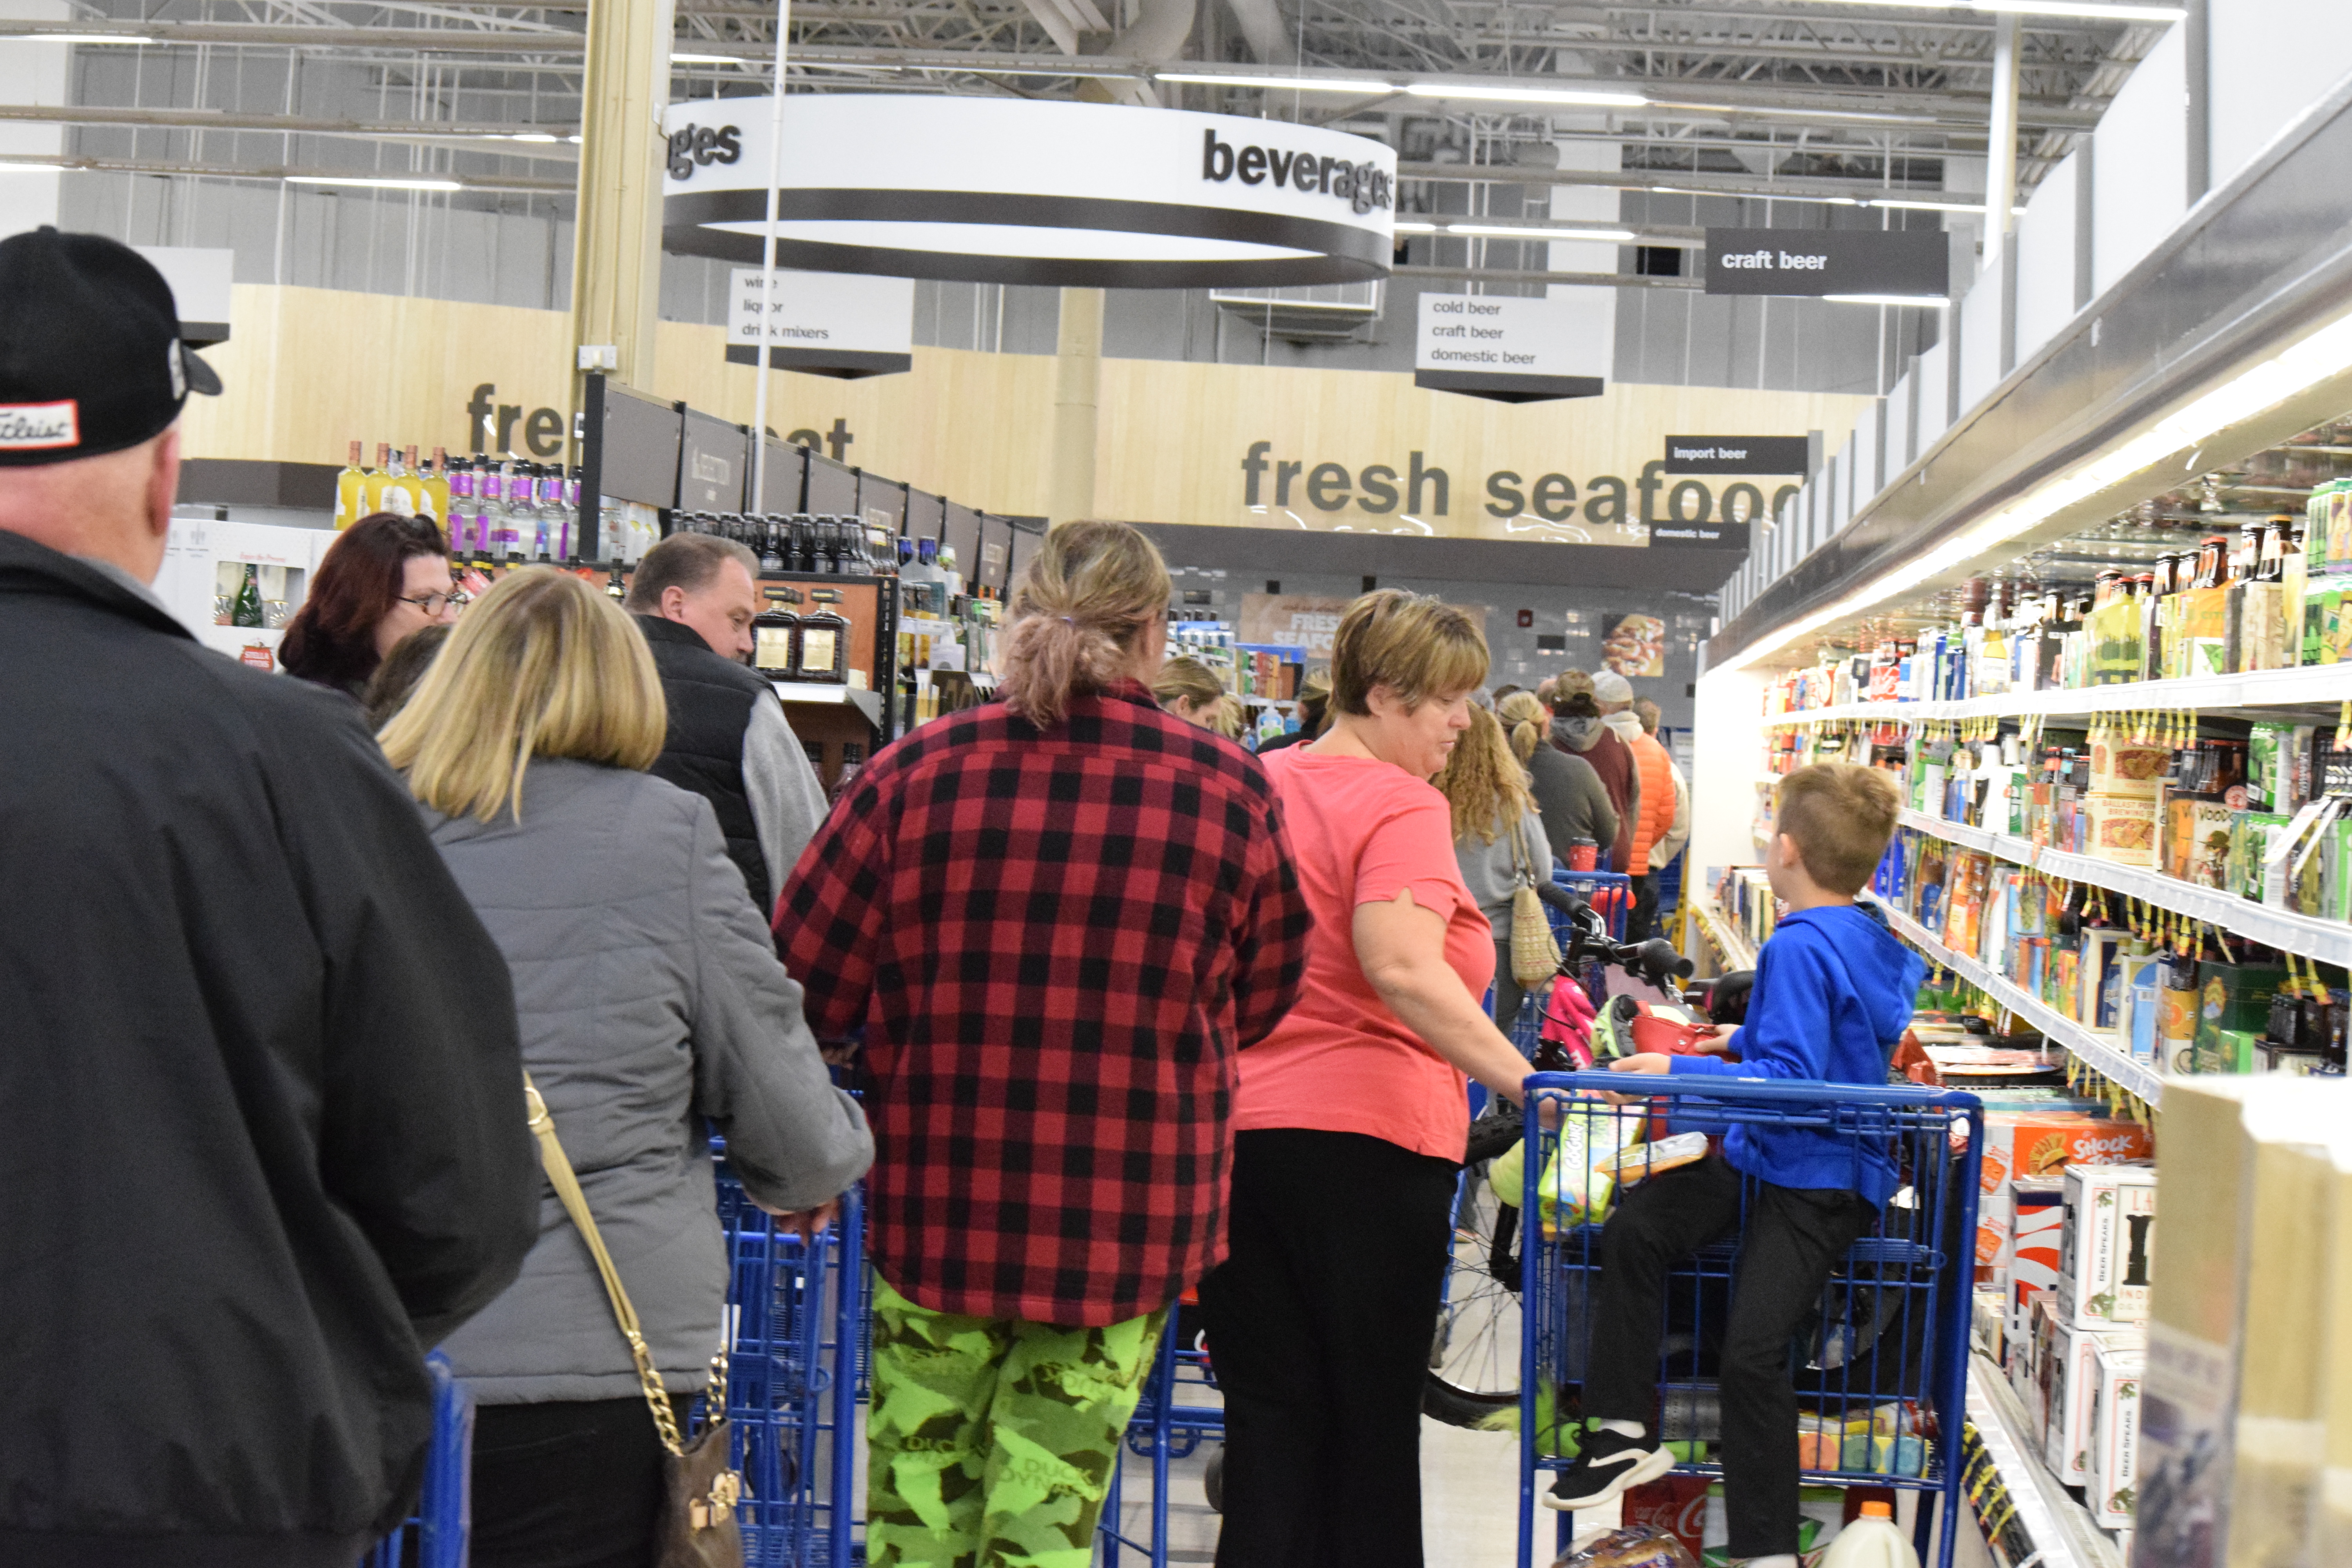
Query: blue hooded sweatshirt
1833	994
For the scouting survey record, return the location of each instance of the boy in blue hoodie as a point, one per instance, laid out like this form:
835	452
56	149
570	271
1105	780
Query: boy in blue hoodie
1833	994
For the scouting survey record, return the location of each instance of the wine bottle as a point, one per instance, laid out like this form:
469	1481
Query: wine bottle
246	611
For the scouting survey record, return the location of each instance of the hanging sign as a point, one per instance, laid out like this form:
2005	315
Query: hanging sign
841	324
1506	348
1021	191
1739	454
1817	263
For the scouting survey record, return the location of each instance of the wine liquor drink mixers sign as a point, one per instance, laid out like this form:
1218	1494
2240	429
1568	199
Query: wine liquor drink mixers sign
842	324
1078	195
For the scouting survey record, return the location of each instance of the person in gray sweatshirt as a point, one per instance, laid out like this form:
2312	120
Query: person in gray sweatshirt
653	1011
1574	802
1498	837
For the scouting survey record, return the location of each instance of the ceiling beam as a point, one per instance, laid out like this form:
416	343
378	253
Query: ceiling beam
491	184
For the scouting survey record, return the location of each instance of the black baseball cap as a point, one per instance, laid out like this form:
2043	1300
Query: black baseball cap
90	356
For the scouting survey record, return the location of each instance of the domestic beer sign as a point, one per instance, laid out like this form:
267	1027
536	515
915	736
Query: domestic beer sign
1820	263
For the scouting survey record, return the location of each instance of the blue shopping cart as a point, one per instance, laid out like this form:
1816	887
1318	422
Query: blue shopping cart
796	1333
1164	1429
436	1536
1882	1374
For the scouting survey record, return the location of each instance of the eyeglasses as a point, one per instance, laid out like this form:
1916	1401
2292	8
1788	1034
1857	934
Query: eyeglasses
432	604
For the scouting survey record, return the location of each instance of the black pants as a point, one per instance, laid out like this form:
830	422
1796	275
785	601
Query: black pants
1639	924
1319	1324
567	1485
1794	1237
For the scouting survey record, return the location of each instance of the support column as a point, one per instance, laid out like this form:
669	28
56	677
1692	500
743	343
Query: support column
2001	145
616	238
1077	384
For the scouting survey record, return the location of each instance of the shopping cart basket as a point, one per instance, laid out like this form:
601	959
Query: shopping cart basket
796	1316
436	1536
1164	1428
1882	1374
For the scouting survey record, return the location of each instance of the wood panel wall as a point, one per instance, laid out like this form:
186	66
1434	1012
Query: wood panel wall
308	370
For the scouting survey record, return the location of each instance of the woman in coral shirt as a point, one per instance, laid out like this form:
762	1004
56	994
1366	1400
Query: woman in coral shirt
1352	1114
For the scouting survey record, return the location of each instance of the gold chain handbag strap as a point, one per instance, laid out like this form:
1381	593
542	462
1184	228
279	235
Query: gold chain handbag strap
558	1166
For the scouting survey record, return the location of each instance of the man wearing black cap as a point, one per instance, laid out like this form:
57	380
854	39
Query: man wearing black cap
262	1135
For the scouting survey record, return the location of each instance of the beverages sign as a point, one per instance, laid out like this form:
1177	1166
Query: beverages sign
842	324
1510	350
1027	191
1818	263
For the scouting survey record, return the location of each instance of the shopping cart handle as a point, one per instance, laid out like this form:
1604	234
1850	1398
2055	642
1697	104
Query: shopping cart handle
1715	1086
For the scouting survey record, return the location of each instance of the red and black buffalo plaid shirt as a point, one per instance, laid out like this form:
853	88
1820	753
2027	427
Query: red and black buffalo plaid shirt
1056	942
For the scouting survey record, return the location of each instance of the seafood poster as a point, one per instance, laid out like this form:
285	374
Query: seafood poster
1633	646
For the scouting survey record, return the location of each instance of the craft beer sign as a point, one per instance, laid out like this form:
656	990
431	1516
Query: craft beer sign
1023	191
1821	263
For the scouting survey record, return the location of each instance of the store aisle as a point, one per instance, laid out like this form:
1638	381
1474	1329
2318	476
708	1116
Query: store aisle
1469	1502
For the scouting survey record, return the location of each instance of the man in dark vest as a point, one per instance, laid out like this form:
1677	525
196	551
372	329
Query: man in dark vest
694	596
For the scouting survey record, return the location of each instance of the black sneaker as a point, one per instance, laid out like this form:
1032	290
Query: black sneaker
1609	1464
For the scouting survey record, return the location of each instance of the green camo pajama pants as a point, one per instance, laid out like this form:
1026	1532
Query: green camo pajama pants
991	1440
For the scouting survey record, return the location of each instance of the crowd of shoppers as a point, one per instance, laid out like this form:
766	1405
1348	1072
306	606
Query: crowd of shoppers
1135	1011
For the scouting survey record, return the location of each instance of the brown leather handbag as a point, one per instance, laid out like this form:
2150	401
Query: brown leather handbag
699	1487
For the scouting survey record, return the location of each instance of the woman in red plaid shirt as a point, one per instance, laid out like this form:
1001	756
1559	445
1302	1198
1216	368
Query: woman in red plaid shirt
1058	918
1353	1113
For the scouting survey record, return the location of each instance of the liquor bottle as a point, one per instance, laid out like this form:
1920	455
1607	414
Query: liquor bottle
371	487
497	525
246	611
802	556
852	757
822	654
775	630
772	552
436	487
546	519
348	486
458	476
400	491
575	540
547	493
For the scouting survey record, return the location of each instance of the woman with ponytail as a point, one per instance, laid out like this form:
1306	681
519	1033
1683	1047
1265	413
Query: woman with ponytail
1569	793
1058	918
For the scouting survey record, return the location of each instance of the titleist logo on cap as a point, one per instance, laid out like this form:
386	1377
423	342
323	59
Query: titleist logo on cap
33	426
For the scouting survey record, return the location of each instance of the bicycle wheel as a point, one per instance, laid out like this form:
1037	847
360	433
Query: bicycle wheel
1474	1357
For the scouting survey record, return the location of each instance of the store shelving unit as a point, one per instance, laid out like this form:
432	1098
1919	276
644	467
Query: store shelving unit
1730	946
2095	1051
2316	686
867	702
2062	1532
2330	942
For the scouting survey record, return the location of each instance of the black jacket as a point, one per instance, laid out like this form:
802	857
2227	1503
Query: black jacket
262	1135
710	700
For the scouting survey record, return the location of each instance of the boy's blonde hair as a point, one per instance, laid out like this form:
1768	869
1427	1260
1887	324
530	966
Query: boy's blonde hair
1416	646
541	665
1840	816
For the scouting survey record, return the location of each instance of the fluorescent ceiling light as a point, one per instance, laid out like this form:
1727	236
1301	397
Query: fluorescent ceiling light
384	184
1508	231
78	38
1924	301
1410	227
1908	205
2120	13
676	59
1758	195
1498	93
1277	83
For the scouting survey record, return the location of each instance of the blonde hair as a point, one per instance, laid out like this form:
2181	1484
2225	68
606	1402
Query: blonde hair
1483	782
541	665
1840	816
1227	719
1187	680
1416	646
1087	592
1525	717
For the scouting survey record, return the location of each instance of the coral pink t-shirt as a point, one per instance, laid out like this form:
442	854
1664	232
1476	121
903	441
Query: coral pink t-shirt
1362	831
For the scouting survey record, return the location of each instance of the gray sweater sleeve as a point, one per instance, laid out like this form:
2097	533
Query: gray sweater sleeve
793	1139
1574	802
787	804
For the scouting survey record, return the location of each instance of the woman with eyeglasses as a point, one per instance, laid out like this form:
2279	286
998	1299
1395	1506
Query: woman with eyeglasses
383	577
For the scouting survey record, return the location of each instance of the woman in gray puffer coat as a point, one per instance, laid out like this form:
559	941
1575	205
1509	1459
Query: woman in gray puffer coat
653	1011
